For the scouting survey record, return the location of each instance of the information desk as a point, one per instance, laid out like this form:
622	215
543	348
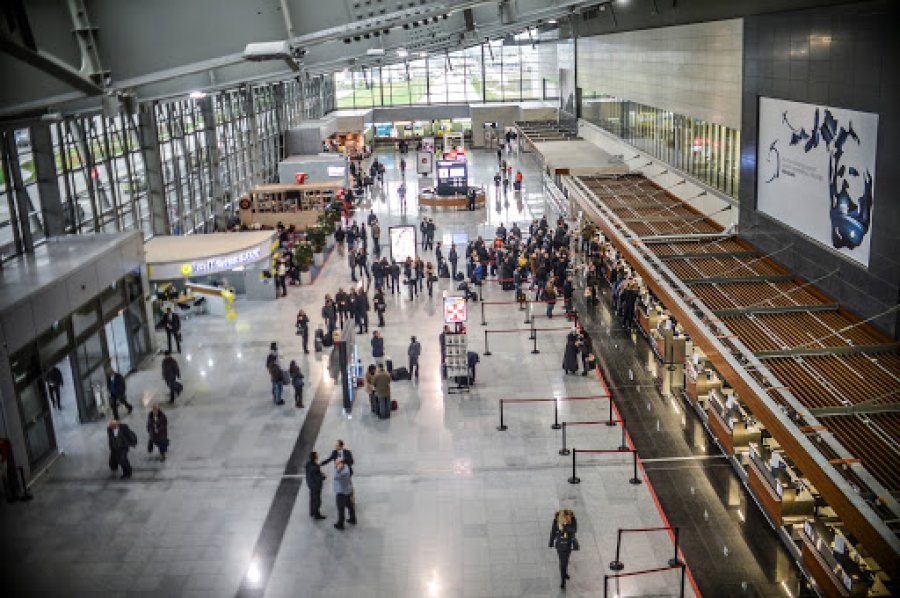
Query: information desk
288	204
428	197
241	261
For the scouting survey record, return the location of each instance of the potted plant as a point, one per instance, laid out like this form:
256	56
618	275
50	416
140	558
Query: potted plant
326	224
316	237
303	256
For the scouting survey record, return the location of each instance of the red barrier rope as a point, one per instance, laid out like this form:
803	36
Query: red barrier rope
645	571
618	450
608	421
594	397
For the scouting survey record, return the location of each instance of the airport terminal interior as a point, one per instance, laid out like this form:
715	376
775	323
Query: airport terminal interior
450	298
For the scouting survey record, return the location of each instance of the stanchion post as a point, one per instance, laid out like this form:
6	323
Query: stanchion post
623	446
674	562
681	593
556	425
535	350
616	565
609	420
502	426
564	450
606	586
528	312
532	331
487	349
483	321
574	479
635	479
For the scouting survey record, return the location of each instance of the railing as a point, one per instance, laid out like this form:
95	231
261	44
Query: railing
634	478
556	425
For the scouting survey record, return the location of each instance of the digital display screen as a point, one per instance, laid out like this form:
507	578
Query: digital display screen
443	173
458	173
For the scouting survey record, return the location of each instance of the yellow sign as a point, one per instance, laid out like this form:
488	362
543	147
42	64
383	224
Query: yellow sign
186	269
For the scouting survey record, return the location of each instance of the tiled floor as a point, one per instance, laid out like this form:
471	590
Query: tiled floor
447	505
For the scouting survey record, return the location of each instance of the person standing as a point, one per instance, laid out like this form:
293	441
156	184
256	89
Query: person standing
375	230
296	377
314	479
382	385
380	305
361	312
54	383
430	278
587	352
340	452
276	374
452	257
377	347
343	491
303	329
115	384
121	438
562	537
570	357
158	430
439	257
172	325
413	352
472	360
395	277
171	373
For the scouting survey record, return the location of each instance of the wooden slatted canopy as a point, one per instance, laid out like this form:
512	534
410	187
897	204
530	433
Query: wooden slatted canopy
815	380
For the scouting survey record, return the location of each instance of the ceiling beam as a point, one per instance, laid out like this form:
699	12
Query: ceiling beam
778	309
51	65
735	279
858	409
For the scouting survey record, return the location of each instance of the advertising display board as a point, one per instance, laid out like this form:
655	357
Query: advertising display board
403	242
423	162
455	311
815	172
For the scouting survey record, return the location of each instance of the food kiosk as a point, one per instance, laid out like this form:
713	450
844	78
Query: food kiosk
288	204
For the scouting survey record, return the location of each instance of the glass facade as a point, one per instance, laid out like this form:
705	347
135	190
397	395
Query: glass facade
707	151
210	150
499	71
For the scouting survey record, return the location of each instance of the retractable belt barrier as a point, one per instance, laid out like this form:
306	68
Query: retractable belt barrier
609	422
606	578
634	480
556	426
617	565
532	330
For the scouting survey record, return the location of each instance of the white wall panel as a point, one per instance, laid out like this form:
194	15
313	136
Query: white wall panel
694	70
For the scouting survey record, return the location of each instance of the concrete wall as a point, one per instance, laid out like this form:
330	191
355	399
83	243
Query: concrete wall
315	167
846	57
504	114
694	70
381	115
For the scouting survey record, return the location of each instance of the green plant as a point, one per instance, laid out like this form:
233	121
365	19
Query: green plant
303	255
325	221
316	237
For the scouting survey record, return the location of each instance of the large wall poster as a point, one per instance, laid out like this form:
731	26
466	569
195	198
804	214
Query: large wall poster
403	242
815	171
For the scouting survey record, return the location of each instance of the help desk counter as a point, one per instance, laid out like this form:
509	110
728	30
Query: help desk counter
197	274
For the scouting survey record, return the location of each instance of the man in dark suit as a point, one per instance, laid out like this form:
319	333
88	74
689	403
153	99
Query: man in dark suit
314	479
120	439
54	383
340	451
115	383
172	324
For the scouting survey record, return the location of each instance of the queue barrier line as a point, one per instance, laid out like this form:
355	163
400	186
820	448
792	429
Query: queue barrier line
607	422
607	577
617	564
532	330
634	479
556	425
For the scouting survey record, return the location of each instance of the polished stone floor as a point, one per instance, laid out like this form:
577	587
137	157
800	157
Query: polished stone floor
447	505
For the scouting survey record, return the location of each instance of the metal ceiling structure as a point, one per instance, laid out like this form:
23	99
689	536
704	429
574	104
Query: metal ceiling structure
67	55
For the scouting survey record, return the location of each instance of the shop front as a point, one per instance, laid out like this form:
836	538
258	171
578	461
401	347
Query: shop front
74	306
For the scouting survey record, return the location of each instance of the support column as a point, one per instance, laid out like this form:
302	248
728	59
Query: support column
254	150
23	203
47	183
211	137
156	191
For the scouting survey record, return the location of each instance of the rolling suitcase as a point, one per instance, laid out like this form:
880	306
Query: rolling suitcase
393	405
389	364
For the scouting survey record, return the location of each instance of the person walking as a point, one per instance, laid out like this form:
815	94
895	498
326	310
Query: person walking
314	479
170	374
121	438
413	352
115	384
303	330
54	384
382	384
158	431
562	538
343	492
296	377
172	325
395	277
276	374
430	278
361	312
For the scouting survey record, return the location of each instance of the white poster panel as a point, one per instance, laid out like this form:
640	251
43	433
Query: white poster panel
403	242
815	172
423	162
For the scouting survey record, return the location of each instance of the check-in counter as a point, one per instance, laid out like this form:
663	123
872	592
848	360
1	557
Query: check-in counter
732	425
648	317
699	380
776	485
834	564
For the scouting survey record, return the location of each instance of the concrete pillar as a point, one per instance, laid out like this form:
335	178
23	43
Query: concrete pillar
52	212
220	219
156	191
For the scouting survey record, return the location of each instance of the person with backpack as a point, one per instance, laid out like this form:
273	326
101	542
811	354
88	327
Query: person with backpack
276	374
413	352
296	377
121	438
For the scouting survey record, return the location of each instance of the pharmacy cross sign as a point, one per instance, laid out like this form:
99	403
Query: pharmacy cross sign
455	310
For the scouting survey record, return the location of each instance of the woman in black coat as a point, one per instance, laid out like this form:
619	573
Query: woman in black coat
562	537
570	357
158	430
